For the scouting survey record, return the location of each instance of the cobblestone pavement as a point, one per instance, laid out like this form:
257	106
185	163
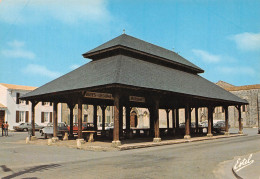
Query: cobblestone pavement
187	160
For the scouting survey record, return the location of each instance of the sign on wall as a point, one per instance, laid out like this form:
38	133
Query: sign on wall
98	95
137	99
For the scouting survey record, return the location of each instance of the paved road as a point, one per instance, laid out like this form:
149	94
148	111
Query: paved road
187	160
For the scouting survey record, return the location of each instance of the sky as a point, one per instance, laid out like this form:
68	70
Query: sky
41	40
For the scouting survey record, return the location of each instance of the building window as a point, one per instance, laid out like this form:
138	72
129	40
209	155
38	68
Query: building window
46	116
243	108
99	119
75	118
21	116
85	118
108	108
108	119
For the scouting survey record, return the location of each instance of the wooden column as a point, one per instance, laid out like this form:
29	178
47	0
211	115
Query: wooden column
103	108
240	120
177	125
33	118
95	117
71	107
120	120
116	141
79	118
156	121
197	119
226	120
173	118
55	120
168	119
127	116
210	118
187	121
151	120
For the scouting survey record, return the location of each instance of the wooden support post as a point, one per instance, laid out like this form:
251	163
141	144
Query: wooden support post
120	120
187	121
103	108
55	122
95	117
33	118
173	121
226	120
168	119
71	107
177	121
240	120
173	118
79	118
127	115
156	121
210	118
151	121
116	141
197	119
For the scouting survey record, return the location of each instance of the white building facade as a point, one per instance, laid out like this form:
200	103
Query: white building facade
16	111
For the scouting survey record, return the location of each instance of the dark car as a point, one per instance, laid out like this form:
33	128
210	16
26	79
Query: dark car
26	127
220	126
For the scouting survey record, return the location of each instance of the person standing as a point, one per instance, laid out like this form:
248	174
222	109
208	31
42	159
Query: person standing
6	128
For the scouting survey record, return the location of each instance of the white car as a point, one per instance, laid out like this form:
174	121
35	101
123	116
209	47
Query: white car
48	130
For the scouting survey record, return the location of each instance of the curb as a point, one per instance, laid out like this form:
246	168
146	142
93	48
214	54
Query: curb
175	141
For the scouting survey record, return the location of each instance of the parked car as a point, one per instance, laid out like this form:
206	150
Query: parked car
182	125
108	126
85	126
220	126
26	127
48	130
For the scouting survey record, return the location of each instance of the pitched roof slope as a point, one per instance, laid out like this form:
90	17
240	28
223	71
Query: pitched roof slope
18	87
143	46
130	71
94	73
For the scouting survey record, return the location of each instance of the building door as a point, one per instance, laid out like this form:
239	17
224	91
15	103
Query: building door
2	117
133	119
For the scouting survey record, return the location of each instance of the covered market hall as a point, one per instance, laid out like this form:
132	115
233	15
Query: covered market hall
127	72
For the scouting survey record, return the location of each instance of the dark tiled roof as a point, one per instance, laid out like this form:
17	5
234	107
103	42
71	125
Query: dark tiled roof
143	46
133	72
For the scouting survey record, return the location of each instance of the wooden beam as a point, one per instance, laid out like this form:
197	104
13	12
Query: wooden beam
187	121
197	119
71	107
116	140
226	120
127	115
156	121
55	119
103	108
210	118
79	117
239	120
34	103
173	118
